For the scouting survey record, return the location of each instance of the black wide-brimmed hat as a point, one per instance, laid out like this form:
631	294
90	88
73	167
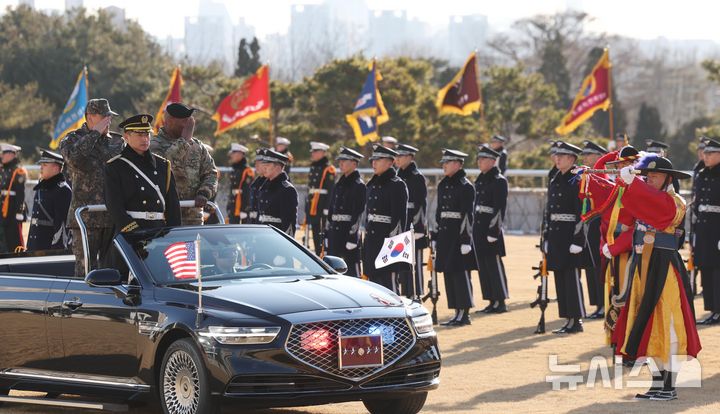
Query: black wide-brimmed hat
655	163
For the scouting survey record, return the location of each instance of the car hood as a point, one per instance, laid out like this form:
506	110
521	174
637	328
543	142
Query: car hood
285	295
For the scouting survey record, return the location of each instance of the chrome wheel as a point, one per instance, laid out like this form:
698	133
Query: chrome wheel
181	389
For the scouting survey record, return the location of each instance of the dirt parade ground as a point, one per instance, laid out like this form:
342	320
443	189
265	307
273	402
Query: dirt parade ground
498	365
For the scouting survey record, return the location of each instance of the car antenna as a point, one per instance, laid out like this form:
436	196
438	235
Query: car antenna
199	279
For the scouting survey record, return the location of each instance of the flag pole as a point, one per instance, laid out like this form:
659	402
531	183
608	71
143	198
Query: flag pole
270	118
479	86
610	97
415	297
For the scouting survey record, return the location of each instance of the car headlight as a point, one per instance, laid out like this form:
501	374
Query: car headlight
423	324
242	335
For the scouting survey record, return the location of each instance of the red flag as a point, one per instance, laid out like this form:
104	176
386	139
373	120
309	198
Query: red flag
173	95
462	95
247	104
594	94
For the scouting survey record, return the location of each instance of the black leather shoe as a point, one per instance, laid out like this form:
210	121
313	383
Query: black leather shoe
598	314
500	309
451	322
464	321
563	329
577	327
486	309
713	319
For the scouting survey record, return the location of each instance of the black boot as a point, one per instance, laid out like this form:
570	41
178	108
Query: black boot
577	326
500	307
668	392
713	319
464	318
487	308
658	382
598	314
563	329
453	320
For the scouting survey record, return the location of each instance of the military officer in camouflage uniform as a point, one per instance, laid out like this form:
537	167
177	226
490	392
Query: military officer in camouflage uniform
347	203
139	186
416	208
50	206
320	183
86	151
241	177
12	182
193	167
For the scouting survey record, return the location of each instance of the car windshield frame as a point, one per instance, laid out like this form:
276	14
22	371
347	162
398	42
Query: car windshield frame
157	241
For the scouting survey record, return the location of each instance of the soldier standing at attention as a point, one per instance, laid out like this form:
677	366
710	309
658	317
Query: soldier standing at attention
454	217
193	166
277	199
416	210
347	203
497	144
50	206
320	183
282	145
13	197
386	208
256	185
86	151
240	179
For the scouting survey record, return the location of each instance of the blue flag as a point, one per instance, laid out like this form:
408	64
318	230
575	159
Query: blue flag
73	115
369	110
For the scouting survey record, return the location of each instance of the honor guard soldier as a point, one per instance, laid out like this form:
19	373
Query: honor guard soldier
320	183
453	237
86	151
592	262
50	206
416	212
13	177
241	177
707	236
277	199
692	209
386	208
193	166
491	192
282	145
497	144
389	142
139	186
564	238
347	204
656	147
256	185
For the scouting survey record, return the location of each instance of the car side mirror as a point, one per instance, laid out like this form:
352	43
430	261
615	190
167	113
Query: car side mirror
337	264
104	278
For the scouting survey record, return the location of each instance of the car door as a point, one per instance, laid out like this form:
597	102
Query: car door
99	331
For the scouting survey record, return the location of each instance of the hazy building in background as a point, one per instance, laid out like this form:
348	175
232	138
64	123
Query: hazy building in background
465	34
73	4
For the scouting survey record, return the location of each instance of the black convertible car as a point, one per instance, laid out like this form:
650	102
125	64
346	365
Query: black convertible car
267	324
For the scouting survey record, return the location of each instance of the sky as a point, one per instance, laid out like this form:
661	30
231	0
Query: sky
642	19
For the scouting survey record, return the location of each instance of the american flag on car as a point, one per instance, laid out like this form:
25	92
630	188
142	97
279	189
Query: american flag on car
182	258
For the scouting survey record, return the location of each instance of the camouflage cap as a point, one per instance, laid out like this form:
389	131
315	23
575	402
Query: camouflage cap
99	107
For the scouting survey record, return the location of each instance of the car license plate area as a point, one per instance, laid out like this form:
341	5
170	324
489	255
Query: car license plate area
360	351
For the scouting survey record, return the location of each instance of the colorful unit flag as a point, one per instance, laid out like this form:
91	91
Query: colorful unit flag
247	104
182	258
73	115
396	249
172	96
462	95
369	110
594	94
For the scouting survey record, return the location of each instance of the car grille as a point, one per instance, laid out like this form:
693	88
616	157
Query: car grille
398	339
406	376
281	384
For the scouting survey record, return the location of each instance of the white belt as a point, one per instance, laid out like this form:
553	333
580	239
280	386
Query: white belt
451	214
410	205
563	217
5	192
146	215
235	191
341	217
318	191
708	208
484	209
378	218
269	219
39	222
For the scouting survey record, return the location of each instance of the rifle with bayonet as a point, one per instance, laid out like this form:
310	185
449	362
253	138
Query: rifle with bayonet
542	293
433	291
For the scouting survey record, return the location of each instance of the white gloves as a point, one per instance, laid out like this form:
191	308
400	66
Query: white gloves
419	236
350	246
465	249
575	249
19	217
545	248
491	239
325	212
243	215
627	175
606	251
433	244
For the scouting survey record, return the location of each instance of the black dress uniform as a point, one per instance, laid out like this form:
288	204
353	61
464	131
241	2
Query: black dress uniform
286	152
692	208
707	237
563	231
386	208
347	204
416	211
502	158
320	183
12	182
50	207
277	198
140	189
255	187
491	192
241	178
454	256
